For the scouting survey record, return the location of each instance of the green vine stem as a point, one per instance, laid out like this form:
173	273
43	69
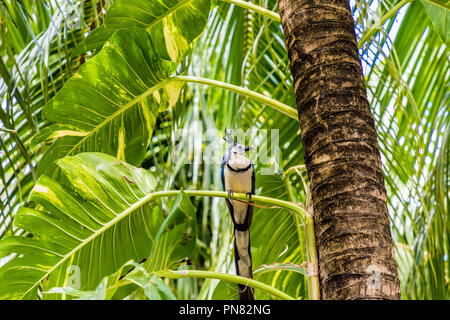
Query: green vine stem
247	5
311	253
291	197
277	105
225	277
8	130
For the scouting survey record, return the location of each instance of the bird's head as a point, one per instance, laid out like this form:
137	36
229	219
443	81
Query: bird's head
235	155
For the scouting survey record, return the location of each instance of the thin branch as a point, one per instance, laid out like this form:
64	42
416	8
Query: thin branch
275	104
253	7
8	130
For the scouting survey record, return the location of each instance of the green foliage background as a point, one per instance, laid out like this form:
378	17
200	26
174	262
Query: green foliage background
102	76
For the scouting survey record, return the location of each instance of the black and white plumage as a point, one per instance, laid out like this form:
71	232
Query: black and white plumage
238	176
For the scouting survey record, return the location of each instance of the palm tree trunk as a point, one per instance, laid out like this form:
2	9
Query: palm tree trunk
353	238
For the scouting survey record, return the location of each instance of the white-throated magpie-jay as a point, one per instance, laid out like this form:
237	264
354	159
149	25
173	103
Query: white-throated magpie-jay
238	175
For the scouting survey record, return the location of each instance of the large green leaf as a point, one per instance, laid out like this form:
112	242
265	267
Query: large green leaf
101	218
175	236
173	25
104	291
439	13
144	285
113	101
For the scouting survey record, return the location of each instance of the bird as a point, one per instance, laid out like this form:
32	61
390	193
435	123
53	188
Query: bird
238	175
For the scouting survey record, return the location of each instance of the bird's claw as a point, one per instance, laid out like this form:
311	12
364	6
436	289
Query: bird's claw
230	193
249	195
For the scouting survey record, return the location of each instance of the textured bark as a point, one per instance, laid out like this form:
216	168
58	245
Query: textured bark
353	238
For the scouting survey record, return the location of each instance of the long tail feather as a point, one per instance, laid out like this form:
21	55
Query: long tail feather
243	260
242	217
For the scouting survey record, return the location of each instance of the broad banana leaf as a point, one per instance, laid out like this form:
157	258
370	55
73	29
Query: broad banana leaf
149	286
439	13
173	25
113	101
87	228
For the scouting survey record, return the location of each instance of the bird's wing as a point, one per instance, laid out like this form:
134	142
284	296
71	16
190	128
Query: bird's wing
253	180
227	201
222	176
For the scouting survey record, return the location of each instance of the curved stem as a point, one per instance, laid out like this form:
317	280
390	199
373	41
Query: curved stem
8	130
310	242
247	5
311	256
275	104
293	169
290	193
225	277
238	196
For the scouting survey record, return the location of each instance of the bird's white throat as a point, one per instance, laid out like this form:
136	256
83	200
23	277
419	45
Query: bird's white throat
238	161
